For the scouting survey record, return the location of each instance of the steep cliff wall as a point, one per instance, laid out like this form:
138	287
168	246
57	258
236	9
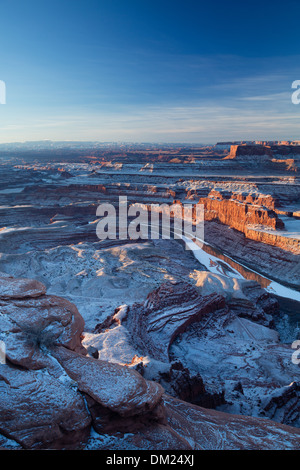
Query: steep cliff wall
253	216
249	150
238	212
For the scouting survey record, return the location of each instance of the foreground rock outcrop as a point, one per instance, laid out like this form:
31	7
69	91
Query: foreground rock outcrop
62	394
47	374
38	410
119	389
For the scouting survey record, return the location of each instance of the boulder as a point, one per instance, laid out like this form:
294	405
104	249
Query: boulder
39	411
120	389
31	323
11	288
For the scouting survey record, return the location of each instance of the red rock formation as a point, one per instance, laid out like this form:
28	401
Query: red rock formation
249	151
167	312
39	411
53	407
263	148
40	333
120	389
209	429
239	212
29	323
19	288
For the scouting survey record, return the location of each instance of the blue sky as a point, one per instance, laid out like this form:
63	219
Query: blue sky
149	71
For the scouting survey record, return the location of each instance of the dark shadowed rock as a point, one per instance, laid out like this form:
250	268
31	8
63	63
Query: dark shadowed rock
284	405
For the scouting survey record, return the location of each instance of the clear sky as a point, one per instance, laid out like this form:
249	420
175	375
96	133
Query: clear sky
149	70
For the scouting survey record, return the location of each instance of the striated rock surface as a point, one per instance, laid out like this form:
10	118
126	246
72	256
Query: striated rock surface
29	324
274	262
244	297
166	313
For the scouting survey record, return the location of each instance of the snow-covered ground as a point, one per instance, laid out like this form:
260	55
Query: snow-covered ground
217	266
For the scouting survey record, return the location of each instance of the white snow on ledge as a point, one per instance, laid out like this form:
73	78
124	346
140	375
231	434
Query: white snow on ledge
292	228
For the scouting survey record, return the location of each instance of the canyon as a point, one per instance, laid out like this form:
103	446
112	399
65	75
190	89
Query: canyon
145	344
62	391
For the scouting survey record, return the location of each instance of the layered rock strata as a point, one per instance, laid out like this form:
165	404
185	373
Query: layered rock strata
60	392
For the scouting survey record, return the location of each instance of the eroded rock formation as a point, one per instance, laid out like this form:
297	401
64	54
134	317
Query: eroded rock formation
181	335
167	312
46	369
60	393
